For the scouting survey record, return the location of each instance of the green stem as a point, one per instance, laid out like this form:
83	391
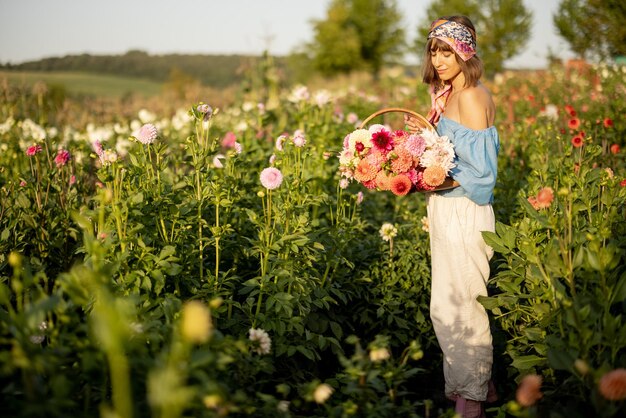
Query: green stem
217	243
120	383
158	170
200	243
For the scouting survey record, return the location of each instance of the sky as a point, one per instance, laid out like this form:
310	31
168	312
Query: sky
35	29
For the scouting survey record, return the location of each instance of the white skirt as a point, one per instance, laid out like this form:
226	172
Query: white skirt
460	270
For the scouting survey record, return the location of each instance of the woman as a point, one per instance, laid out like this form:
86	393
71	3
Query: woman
462	110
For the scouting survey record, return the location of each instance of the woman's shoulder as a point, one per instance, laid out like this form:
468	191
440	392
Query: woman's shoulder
477	95
476	107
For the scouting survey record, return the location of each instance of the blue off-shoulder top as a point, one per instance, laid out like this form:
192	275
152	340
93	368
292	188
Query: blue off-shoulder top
476	160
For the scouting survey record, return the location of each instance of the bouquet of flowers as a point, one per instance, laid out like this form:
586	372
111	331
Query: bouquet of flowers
398	161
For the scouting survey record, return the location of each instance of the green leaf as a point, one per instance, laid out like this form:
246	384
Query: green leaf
137	198
336	329
508	286
508	236
541	308
493	240
307	353
592	259
534	334
560	359
527	362
488	302
619	291
534	213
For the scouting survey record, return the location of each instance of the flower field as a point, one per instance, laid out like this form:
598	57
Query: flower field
214	262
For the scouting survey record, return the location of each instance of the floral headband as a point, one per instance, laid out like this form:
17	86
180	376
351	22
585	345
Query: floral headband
456	35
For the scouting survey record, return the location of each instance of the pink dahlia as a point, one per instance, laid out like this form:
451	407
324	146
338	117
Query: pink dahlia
382	140
376	159
97	147
147	134
217	161
33	149
415	144
346	141
370	184
529	390
298	138
412	175
62	158
205	110
279	142
271	178
229	140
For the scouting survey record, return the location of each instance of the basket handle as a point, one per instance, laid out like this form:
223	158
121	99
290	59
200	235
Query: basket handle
421	119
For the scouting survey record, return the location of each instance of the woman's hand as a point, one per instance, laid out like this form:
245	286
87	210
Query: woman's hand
412	124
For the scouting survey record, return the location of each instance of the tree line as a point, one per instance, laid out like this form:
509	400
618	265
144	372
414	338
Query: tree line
367	35
210	70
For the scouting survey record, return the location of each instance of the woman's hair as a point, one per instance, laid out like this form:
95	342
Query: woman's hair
472	68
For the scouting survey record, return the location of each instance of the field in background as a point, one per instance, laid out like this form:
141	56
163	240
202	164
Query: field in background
86	84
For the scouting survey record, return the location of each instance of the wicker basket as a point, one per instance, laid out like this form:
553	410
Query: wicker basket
421	119
448	183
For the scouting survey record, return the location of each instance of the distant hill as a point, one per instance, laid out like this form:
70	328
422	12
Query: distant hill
210	70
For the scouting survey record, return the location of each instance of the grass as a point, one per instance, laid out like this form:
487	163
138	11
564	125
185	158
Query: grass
76	83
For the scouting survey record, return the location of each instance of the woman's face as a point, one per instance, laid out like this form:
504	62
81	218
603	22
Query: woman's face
445	64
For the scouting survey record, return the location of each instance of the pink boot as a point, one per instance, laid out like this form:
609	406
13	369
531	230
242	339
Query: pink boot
469	408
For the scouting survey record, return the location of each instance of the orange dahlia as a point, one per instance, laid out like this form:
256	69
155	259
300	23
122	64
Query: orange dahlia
612	385
364	171
434	175
403	162
383	181
545	197
400	185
